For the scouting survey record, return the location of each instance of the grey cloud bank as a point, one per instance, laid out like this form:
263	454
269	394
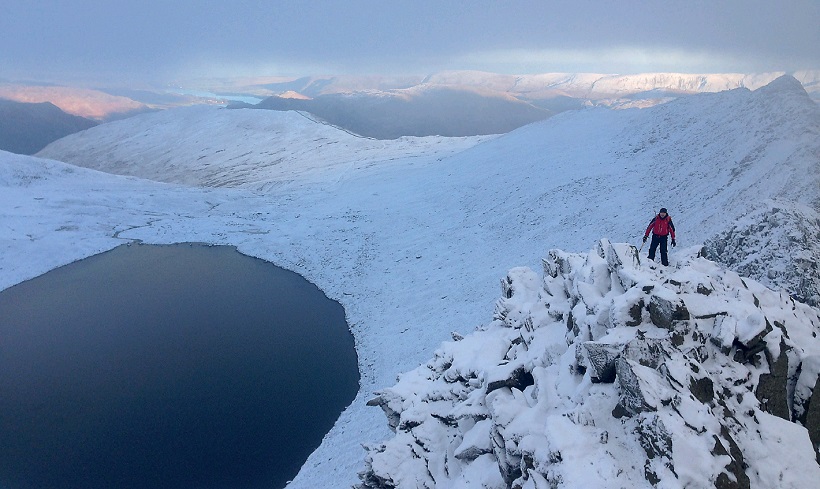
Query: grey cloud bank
158	41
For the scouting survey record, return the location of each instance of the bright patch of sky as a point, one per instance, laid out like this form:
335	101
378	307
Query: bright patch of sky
154	40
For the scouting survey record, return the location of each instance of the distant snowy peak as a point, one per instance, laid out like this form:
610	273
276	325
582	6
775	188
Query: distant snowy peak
597	88
293	95
602	86
607	372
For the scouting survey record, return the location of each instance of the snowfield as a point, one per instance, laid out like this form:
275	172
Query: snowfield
411	236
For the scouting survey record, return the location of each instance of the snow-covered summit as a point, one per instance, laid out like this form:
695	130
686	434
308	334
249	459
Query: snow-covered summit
609	373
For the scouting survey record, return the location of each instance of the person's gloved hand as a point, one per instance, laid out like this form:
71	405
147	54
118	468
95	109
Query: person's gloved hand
644	239
673	243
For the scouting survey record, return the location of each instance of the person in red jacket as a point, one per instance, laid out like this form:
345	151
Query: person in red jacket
661	227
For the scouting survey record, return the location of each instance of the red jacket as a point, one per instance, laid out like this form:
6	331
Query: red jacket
661	226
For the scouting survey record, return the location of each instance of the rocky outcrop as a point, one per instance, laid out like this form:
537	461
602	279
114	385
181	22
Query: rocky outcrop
605	373
779	246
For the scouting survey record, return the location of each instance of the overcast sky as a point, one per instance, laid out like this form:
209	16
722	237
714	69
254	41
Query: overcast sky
142	40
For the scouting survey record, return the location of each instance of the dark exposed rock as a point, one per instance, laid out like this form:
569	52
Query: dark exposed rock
735	465
656	441
747	350
812	422
519	379
772	387
635	313
664	313
703	389
807	409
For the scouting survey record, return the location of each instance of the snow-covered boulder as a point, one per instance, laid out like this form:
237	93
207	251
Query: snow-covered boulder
608	373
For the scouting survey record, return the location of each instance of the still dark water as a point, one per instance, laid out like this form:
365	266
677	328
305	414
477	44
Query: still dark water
182	366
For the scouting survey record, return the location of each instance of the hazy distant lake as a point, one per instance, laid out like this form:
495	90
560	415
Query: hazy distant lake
183	366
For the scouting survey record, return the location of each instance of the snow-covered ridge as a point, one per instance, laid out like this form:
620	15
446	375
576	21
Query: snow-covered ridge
593	86
255	149
614	89
609	373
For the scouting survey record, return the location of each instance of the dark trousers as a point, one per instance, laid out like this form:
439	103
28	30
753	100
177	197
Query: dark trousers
659	240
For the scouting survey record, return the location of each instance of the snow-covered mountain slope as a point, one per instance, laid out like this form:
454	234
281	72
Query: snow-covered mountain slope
214	147
607	373
413	246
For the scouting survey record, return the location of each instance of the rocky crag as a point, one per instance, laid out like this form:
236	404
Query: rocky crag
777	245
610	373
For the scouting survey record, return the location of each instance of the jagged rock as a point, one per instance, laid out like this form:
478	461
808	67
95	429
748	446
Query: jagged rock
812	421
807	399
509	464
703	389
772	387
393	416
648	352
519	379
556	263
637	386
664	313
702	289
505	406
656	441
752	332
601	360
636	313
738	479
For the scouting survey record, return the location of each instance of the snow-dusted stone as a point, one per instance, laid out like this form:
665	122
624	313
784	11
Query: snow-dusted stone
656	441
556	263
751	334
600	359
664	313
387	403
641	389
476	442
647	351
